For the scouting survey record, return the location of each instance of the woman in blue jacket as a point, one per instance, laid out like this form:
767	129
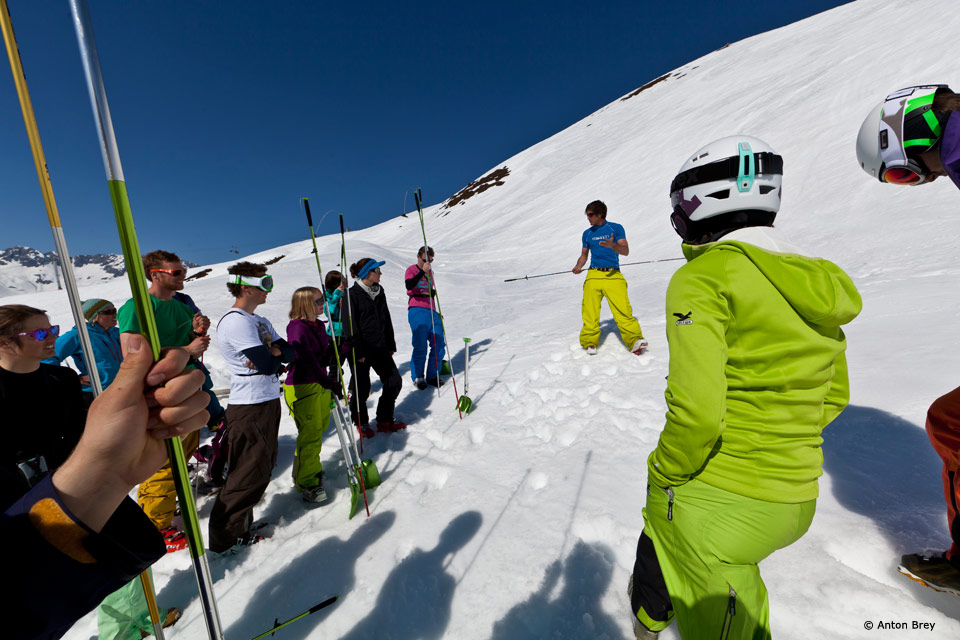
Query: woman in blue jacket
101	317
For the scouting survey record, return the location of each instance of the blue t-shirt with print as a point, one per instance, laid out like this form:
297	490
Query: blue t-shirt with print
603	257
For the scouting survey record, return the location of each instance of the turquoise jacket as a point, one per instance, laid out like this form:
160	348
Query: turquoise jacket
106	351
757	367
334	327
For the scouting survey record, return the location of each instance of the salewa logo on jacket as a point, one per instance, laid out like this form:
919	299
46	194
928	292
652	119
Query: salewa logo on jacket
684	318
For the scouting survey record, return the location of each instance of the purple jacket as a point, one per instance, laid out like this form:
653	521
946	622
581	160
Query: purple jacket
950	147
314	363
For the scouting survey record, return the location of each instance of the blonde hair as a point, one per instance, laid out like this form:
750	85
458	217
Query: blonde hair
301	305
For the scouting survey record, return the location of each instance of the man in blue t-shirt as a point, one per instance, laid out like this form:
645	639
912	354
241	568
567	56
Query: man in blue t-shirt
605	242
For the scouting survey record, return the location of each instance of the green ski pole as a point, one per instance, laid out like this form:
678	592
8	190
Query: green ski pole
70	281
360	469
141	297
277	625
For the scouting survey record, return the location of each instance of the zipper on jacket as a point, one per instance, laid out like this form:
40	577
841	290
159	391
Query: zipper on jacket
669	503
728	616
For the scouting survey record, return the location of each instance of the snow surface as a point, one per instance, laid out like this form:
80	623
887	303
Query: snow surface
521	520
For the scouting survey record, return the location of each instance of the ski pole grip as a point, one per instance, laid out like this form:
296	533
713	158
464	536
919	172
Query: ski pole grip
306	206
341	224
416	196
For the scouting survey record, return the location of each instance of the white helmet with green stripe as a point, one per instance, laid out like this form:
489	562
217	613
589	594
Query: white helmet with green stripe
896	131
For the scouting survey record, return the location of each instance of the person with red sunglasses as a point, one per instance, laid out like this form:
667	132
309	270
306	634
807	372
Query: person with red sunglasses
912	138
177	326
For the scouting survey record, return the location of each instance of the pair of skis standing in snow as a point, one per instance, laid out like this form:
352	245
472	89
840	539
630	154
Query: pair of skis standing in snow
757	370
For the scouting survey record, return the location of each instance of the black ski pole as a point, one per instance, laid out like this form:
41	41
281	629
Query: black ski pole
352	468
277	625
560	273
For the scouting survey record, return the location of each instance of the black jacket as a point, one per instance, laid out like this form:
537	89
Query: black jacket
41	414
371	329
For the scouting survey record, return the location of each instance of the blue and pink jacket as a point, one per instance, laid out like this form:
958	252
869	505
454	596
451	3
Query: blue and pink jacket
420	289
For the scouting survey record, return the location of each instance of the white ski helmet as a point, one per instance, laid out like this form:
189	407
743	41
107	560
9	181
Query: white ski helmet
898	129
730	183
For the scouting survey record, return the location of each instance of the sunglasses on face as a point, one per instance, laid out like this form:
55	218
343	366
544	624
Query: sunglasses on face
109	312
176	273
318	303
41	334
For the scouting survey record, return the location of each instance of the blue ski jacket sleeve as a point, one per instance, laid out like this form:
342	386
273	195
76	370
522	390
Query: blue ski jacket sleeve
61	569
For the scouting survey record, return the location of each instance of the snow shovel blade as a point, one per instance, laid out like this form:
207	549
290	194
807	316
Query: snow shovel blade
465	404
371	475
445	368
354	499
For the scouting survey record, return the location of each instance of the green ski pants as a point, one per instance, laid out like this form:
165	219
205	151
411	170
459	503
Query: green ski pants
708	542
309	405
124	613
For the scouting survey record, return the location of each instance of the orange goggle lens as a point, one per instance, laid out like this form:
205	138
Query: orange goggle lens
901	175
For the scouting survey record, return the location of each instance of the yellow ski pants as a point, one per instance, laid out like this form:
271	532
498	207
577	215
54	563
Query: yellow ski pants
612	286
157	495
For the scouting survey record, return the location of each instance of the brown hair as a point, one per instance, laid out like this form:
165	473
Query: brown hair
13	317
357	266
302	302
946	100
251	269
333	280
598	208
429	251
155	260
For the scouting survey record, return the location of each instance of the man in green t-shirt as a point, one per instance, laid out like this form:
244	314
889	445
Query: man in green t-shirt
177	326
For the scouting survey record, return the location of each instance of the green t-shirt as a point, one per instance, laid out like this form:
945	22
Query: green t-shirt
174	321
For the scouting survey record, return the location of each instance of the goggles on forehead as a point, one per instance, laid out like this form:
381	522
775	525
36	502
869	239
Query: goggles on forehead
264	283
908	123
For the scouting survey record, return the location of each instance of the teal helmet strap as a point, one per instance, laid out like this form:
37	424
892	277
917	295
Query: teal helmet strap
747	171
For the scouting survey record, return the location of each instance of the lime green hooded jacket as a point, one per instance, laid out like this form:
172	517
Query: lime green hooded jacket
757	366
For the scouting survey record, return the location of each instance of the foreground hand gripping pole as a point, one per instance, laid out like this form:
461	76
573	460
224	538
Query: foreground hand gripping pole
141	297
70	281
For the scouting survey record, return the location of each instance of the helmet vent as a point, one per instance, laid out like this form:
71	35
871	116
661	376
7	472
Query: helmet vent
720	195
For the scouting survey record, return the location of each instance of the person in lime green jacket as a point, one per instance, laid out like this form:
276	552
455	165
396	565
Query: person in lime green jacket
757	370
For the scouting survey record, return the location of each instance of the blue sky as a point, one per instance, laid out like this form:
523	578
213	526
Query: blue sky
227	113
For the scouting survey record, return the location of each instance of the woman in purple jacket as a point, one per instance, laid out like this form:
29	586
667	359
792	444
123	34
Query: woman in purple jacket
310	381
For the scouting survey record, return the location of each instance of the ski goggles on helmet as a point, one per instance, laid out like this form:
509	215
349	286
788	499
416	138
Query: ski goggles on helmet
908	126
911	175
41	334
743	168
264	283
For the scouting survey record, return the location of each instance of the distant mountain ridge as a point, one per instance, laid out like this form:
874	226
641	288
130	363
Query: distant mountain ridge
28	270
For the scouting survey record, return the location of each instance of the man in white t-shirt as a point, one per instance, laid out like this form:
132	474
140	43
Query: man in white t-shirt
255	354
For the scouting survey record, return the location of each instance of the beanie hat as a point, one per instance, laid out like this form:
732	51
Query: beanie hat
92	308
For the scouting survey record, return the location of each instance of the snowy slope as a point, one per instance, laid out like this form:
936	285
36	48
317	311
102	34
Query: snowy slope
521	521
26	270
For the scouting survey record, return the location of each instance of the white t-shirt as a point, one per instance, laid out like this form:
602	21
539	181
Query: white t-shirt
239	330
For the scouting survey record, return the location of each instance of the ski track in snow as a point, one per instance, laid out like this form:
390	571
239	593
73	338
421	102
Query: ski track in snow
521	520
